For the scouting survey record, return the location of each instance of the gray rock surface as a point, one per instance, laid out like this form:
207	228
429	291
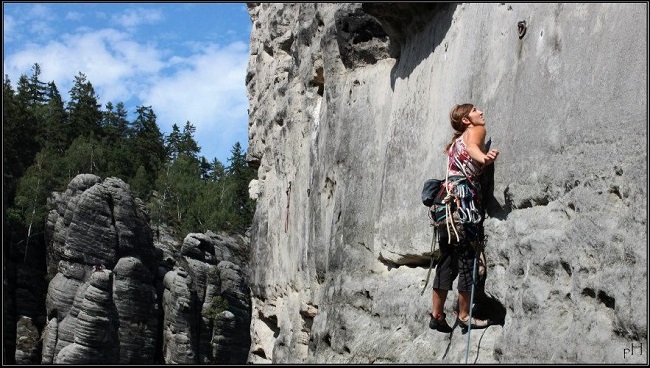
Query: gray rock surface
27	344
209	279
137	305
95	329
345	124
119	296
101	302
179	323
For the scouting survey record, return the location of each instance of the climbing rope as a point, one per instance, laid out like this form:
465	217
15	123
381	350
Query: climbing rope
447	200
434	240
471	303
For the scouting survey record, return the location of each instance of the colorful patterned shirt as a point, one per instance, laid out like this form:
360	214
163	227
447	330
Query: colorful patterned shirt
461	163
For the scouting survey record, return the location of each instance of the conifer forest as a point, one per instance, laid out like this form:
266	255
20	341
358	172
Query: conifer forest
47	142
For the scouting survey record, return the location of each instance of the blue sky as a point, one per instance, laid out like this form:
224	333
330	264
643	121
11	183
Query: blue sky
186	60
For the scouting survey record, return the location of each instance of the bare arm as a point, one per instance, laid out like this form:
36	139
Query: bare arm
474	141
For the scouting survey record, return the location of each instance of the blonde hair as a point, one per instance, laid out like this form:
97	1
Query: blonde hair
456	116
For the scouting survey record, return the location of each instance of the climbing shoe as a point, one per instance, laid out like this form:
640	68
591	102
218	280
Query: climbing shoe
439	324
476	323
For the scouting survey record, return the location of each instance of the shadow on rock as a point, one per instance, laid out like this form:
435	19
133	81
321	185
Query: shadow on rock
488	307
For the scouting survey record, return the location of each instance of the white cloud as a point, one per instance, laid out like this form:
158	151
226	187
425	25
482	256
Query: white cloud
131	18
39	11
9	24
35	20
204	84
209	93
41	29
116	65
73	15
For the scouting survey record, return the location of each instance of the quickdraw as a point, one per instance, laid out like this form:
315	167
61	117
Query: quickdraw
468	212
286	223
461	193
521	29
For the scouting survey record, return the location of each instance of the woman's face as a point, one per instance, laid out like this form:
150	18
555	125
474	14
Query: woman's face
475	117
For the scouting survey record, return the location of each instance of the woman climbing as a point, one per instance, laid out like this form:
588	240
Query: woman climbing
467	159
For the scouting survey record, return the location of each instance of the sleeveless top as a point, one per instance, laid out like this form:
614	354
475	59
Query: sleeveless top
462	164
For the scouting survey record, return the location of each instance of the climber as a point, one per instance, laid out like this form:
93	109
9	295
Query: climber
467	159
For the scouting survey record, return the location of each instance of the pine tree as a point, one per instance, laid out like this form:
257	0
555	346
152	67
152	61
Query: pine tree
239	175
85	116
85	155
110	123
37	89
18	132
27	216
147	146
53	131
204	168
141	183
188	146
11	167
116	132
173	142
217	170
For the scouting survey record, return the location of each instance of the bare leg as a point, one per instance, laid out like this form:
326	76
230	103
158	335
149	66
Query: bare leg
463	311
439	296
463	304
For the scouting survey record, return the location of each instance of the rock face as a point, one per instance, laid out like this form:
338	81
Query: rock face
101	302
117	296
349	109
206	302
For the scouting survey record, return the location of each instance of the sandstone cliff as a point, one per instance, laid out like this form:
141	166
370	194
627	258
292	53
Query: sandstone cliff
119	295
348	116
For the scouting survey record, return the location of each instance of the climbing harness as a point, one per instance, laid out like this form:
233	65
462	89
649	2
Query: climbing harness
449	220
459	209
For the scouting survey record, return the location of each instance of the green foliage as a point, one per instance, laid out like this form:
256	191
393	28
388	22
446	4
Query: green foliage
179	185
188	146
86	155
194	195
141	183
55	117
37	90
19	127
46	144
182	143
84	112
218	305
146	144
31	196
26	217
240	206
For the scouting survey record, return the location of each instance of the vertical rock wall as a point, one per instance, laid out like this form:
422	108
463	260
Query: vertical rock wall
348	116
118	297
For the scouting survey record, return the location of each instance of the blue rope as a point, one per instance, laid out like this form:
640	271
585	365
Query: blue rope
471	302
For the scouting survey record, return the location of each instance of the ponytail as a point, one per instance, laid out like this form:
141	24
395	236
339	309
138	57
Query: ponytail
456	116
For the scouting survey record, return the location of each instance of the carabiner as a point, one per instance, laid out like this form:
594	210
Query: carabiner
464	216
476	218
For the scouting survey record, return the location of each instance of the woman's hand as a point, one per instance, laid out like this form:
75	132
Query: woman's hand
490	157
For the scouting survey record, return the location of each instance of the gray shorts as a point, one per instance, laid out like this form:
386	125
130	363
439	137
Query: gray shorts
455	260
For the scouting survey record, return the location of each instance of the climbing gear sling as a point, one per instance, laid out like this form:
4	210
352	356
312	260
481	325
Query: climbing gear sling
439	219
